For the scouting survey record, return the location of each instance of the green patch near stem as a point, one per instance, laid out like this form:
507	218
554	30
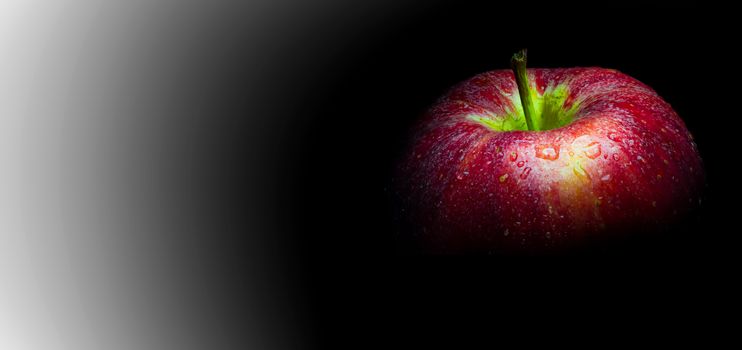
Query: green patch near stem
504	123
548	112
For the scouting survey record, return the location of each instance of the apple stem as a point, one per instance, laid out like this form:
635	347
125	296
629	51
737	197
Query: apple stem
518	63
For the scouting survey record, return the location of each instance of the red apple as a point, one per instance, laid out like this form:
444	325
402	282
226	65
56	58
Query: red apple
542	160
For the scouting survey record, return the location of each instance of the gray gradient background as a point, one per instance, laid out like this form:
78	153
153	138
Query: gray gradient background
115	131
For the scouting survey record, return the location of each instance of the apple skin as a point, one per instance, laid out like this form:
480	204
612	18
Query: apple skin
626	163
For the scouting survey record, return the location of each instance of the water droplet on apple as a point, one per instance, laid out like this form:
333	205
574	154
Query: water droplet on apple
606	177
507	232
615	156
614	137
525	173
548	152
592	150
513	156
541	87
521	164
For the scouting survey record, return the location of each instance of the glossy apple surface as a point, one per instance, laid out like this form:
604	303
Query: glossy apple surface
608	156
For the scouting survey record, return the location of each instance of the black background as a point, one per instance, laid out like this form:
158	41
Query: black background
366	79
